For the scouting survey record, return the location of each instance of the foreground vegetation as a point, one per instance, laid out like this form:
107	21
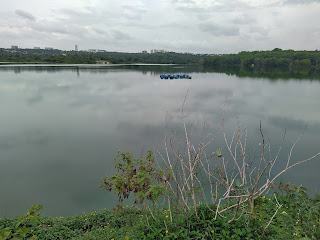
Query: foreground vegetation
298	219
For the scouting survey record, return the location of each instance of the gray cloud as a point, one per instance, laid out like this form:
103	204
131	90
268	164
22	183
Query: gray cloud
244	19
259	30
99	30
50	27
213	6
220	30
133	12
118	35
301	1
174	25
25	15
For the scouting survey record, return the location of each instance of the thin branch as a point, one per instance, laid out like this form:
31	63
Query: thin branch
279	206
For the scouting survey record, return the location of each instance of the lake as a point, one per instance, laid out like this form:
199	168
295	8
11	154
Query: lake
62	125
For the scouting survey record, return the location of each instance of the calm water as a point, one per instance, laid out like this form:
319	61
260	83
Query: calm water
61	127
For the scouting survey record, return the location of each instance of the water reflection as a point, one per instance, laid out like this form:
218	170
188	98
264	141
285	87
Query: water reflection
275	74
98	68
154	69
62	126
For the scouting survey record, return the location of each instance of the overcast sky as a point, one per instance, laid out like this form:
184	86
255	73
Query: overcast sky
197	26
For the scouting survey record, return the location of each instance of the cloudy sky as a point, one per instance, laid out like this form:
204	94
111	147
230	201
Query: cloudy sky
197	26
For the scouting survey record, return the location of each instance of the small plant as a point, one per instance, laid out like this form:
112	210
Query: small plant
137	176
20	230
301	213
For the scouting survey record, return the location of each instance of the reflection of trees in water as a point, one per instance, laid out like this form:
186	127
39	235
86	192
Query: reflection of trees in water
17	70
273	74
145	69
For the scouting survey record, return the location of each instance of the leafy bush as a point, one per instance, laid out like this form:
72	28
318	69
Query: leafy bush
19	228
298	218
137	176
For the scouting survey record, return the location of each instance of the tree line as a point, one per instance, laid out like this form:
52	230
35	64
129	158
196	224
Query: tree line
277	59
82	57
264	60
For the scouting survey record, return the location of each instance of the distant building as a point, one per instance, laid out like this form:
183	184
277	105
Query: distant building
158	51
36	48
76	48
48	48
144	51
102	62
14	47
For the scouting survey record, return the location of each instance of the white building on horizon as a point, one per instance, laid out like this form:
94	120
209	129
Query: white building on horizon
158	51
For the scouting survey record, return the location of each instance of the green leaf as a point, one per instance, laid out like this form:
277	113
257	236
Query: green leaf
22	232
5	233
237	182
219	153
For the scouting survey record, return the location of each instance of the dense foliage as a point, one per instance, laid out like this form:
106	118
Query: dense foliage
277	58
297	219
137	176
82	57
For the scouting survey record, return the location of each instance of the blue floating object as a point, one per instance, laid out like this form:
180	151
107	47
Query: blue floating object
175	76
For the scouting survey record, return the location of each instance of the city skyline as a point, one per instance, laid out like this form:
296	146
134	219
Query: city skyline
196	26
76	49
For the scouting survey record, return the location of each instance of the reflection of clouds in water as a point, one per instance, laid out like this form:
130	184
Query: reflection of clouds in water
72	126
7	143
35	99
35	138
133	132
57	89
287	123
123	89
144	99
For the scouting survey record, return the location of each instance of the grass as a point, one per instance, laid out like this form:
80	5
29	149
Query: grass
297	219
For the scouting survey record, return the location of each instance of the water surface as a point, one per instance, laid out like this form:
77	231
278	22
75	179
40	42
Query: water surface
61	126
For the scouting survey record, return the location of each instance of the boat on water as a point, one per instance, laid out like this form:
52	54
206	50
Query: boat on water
175	76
